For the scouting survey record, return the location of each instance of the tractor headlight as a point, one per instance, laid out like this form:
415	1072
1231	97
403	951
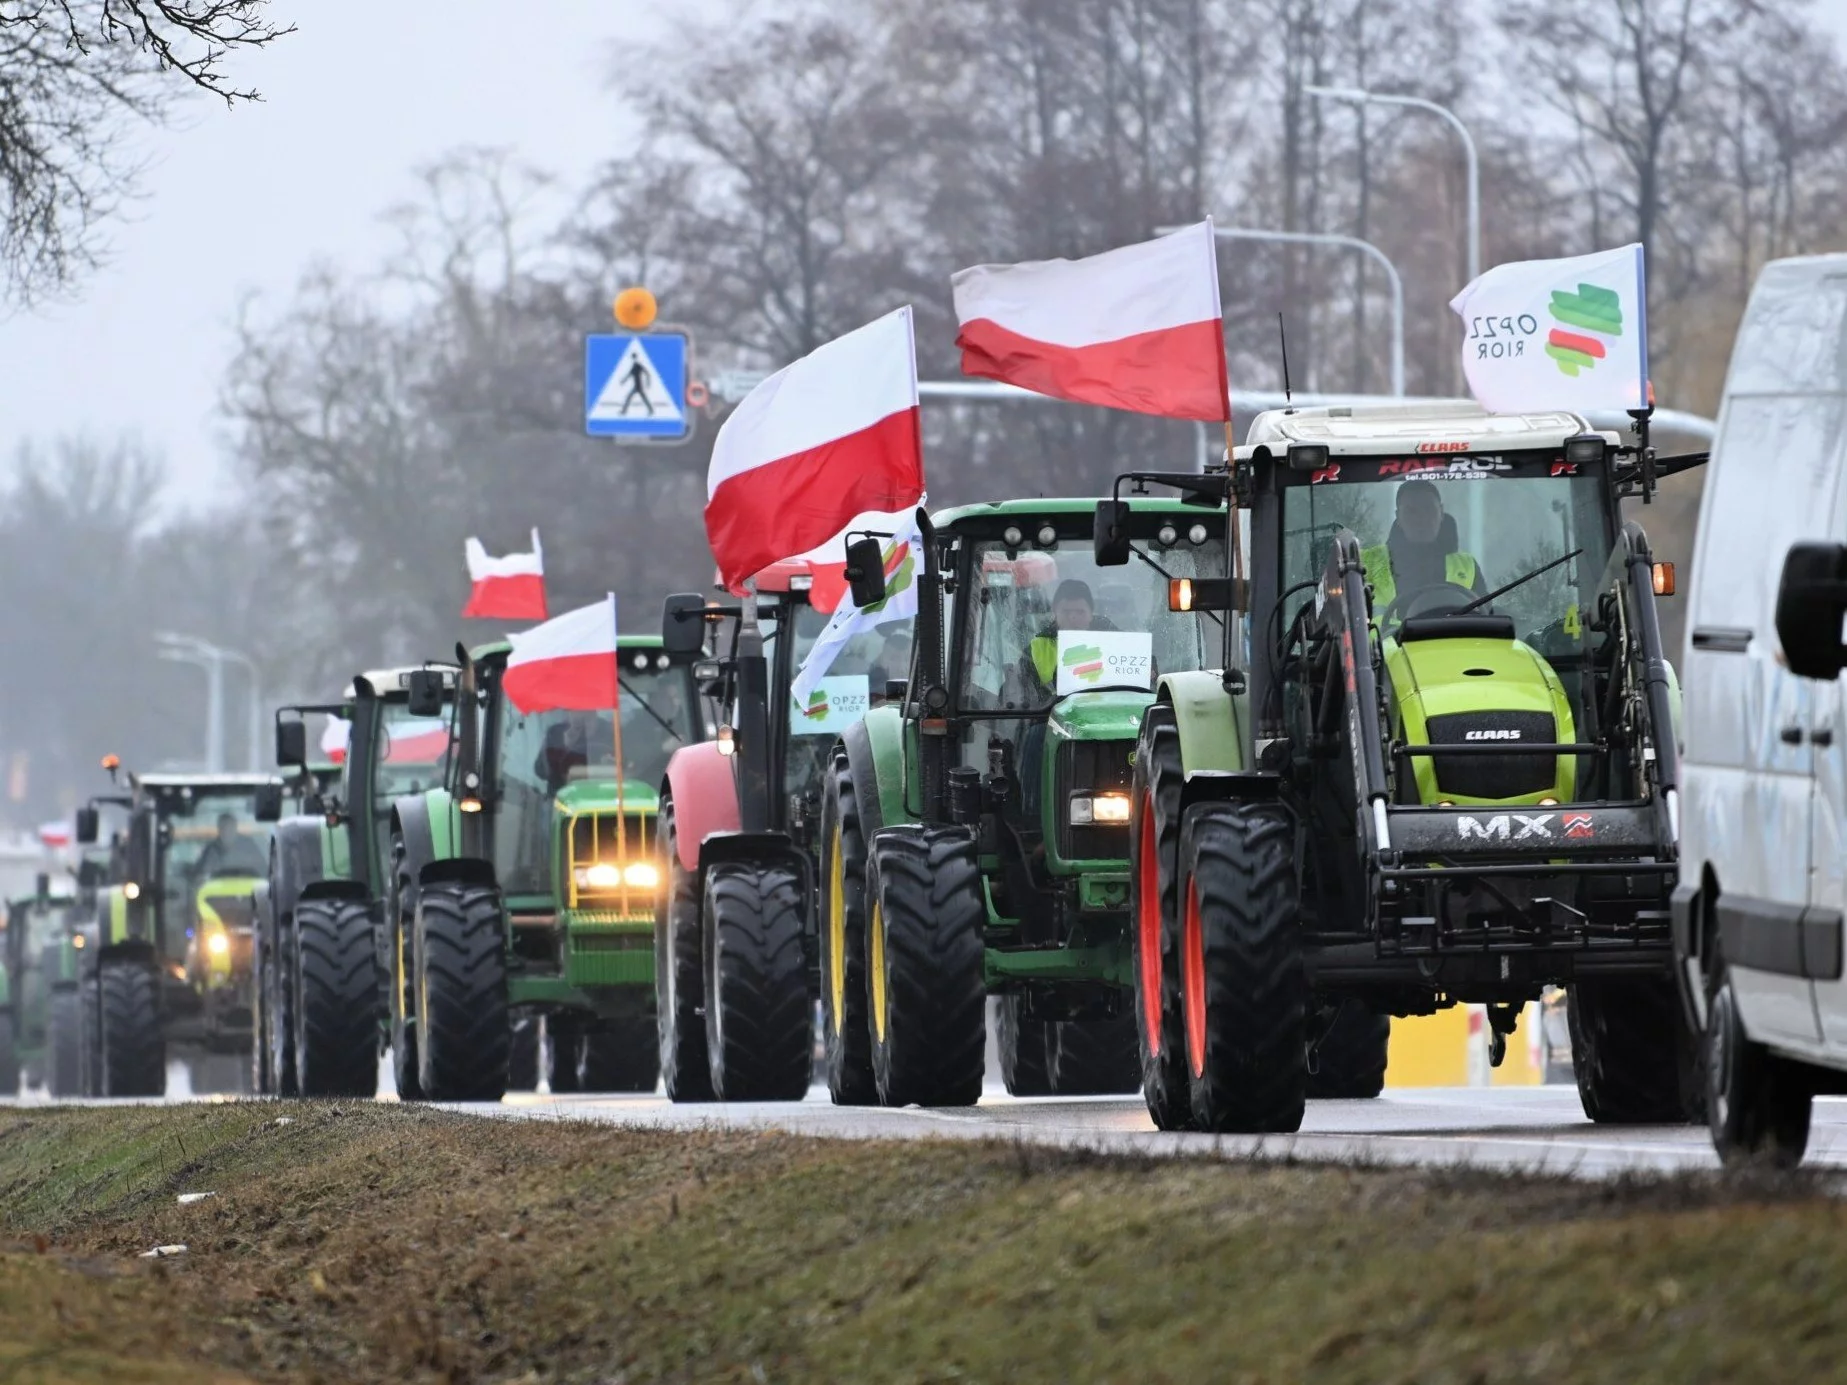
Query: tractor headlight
1099	810
641	875
131	890
217	944
607	875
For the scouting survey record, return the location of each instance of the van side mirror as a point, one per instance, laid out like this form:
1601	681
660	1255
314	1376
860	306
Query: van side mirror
1811	601
292	743
866	571
425	692
269	801
683	626
86	825
1110	538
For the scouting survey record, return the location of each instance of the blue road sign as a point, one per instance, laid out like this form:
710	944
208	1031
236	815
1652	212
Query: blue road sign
635	386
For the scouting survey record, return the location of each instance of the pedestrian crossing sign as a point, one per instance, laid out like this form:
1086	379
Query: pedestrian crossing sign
635	387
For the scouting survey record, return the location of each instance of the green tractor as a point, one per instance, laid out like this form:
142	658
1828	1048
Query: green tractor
976	841
524	887
320	956
171	967
39	962
1437	766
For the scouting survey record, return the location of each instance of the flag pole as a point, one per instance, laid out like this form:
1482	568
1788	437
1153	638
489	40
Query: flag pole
621	802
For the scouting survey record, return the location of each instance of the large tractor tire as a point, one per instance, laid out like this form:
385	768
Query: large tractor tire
845	1032
90	1036
1758	1106
64	1069
618	1051
1243	982
273	1042
400	980
335	995
131	1047
558	1046
1154	920
1635	1061
1349	1062
9	1058
523	1052
679	976
1024	1046
759	1021
927	993
461	990
1096	1057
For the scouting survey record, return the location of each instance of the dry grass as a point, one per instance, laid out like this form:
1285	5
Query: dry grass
378	1243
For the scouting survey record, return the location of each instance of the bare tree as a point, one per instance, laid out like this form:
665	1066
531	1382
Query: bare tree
75	77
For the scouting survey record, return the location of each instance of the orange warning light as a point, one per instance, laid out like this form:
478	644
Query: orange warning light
635	309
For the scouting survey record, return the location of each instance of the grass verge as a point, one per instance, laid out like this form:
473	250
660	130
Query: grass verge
375	1242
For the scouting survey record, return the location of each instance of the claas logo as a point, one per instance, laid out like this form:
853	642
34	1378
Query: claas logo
816	710
1084	662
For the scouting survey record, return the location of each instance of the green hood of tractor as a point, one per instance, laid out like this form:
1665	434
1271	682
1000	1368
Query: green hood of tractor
1098	716
1474	692
599	796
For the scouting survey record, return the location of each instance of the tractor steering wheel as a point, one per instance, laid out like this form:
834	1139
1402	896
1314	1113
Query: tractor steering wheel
1435	599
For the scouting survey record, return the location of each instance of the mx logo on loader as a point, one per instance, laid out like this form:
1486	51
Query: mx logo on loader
1500	827
1084	662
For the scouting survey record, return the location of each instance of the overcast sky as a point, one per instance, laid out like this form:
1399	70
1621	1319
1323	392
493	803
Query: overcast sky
243	200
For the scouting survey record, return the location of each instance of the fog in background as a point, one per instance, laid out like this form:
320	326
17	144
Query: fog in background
342	328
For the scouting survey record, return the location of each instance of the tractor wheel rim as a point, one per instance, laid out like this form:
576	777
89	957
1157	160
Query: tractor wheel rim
837	939
1148	931
1193	982
875	967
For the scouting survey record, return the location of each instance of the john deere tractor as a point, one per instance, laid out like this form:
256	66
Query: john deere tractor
172	965
976	839
527	883
736	961
1436	766
40	962
321	955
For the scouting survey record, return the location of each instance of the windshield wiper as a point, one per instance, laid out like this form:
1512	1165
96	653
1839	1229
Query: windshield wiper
1170	577
648	707
1518	581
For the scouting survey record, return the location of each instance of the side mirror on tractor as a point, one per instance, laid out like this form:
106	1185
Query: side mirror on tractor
425	689
1111	535
269	801
86	826
1811	601
866	571
683	626
291	743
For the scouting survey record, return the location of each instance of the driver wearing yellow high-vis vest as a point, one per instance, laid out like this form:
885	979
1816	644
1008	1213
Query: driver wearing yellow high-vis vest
1421	551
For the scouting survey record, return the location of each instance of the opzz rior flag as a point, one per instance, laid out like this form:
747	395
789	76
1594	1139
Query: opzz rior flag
903	557
1558	334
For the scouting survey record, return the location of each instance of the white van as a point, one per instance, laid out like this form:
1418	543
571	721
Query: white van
1764	773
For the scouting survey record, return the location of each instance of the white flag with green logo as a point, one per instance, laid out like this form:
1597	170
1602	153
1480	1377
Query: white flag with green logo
903	563
1558	334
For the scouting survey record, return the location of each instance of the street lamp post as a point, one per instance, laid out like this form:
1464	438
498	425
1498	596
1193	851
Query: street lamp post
202	654
1365	247
1359	96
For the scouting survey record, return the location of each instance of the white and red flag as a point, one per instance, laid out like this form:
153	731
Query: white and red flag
832	435
510	587
419	742
54	836
566	664
1138	328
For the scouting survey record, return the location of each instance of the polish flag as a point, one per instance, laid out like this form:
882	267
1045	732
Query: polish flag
568	663
412	743
54	835
334	739
815	444
1139	328
506	588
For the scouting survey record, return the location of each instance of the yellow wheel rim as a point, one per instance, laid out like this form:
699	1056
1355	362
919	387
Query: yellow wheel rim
875	967
837	940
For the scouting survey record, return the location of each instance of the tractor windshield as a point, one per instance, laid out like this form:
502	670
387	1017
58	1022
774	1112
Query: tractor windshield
855	681
413	753
1437	536
218	839
1045	621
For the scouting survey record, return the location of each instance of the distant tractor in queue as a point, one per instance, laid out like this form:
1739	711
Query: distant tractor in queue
39	963
525	884
170	974
737	958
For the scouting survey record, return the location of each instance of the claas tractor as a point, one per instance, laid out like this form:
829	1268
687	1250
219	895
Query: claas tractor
171	968
736	968
525	884
975	839
321	961
1436	766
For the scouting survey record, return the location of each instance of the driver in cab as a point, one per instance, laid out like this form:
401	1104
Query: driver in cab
1073	608
229	853
1421	551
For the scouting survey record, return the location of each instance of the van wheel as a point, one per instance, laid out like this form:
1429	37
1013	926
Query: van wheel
1757	1105
1632	1053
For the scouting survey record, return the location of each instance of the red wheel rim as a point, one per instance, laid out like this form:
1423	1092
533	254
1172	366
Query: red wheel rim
1148	931
1193	982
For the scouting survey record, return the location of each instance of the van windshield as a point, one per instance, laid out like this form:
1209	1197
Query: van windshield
1437	535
